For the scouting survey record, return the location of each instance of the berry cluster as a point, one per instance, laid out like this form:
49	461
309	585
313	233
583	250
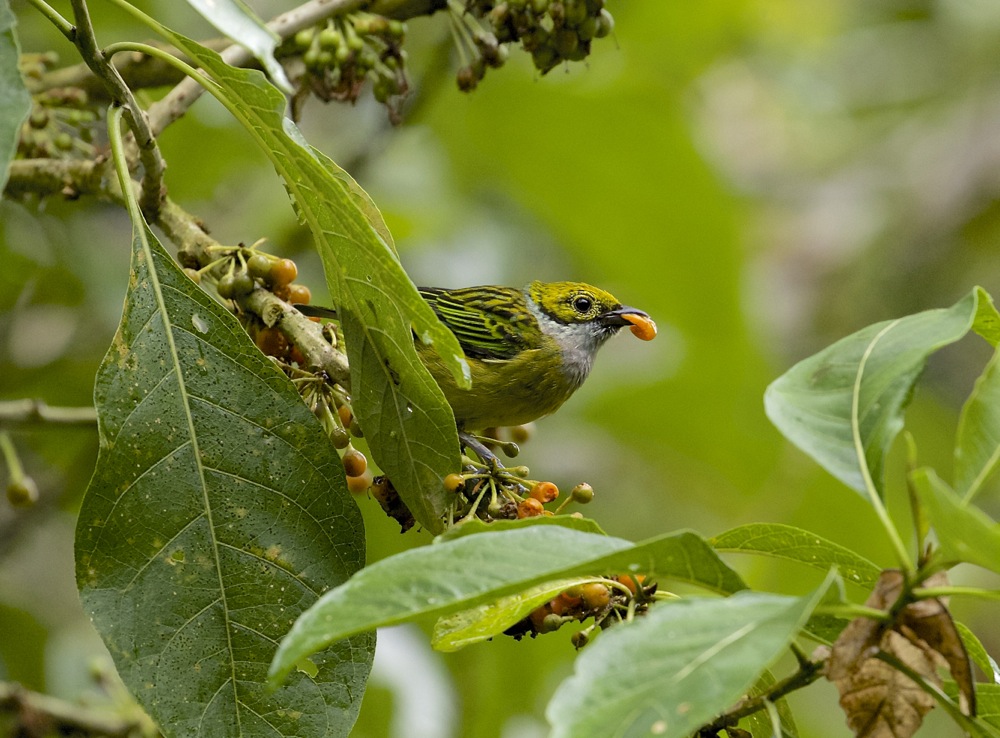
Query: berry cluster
61	122
608	600
330	403
493	492
341	55
552	31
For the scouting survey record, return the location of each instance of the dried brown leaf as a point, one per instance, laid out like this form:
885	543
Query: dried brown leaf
882	702
931	622
859	641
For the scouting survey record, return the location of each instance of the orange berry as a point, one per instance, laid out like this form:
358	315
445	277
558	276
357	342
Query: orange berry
629	580
642	326
299	294
355	463
361	483
595	595
538	615
297	356
272	342
454	482
529	508
344	412
544	492
283	272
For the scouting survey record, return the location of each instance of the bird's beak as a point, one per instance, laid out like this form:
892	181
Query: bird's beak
641	325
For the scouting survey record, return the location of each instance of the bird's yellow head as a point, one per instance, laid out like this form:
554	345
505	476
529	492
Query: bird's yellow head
577	303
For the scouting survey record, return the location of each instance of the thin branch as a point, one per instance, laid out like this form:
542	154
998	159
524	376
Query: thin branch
807	673
46	177
149	152
40	714
139	71
54	17
38	411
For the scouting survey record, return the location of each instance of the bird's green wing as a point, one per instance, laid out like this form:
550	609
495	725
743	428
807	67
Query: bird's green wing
489	322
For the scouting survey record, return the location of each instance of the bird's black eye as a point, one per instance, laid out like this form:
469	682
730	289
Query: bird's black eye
582	304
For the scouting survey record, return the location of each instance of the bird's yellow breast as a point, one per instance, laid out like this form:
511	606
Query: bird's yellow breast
505	392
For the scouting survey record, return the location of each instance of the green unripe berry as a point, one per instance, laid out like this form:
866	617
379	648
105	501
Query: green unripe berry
330	38
397	29
539	6
63	141
605	24
259	265
22	492
551	622
544	58
582	493
232	286
566	42
311	58
303	39
39	118
587	29
467	79
225	286
242	284
579	639
339	437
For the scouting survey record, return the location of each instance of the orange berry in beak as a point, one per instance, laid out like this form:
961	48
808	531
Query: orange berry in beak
642	326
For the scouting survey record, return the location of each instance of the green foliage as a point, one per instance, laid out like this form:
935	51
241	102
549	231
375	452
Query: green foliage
16	100
844	406
216	514
409	427
977	445
193	577
794	544
965	533
677	668
241	24
465	572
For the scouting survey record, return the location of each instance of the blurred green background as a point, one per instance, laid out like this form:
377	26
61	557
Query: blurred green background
761	176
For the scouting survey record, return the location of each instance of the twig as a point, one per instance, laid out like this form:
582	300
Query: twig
807	673
139	71
73	178
39	714
178	100
38	411
64	26
149	152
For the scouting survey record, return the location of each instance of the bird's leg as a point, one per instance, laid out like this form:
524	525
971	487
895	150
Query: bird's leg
470	441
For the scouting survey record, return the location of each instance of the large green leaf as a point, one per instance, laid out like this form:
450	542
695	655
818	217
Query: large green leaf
477	624
242	25
218	512
965	533
788	542
16	100
678	667
844	405
408	424
466	572
977	443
